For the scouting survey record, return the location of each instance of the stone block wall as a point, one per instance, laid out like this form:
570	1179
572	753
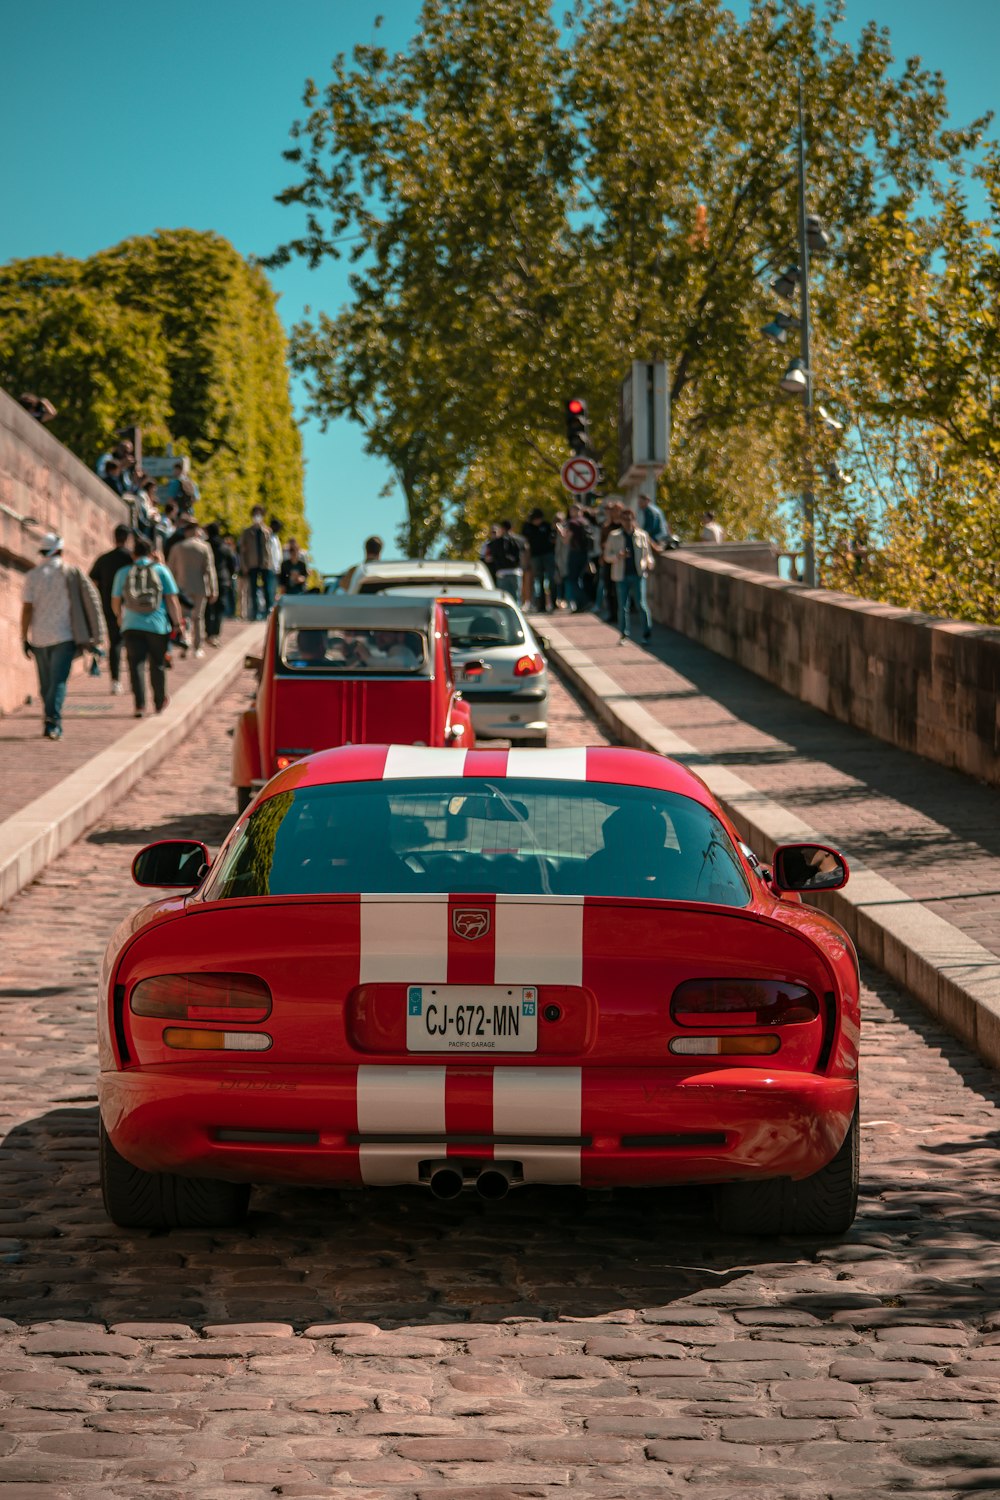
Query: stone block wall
43	487
927	685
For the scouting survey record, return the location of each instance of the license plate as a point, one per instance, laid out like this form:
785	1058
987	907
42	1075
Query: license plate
471	1018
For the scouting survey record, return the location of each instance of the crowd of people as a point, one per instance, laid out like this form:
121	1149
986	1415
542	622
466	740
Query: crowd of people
165	587
586	559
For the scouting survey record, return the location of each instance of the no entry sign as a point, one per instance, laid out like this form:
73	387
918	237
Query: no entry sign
579	475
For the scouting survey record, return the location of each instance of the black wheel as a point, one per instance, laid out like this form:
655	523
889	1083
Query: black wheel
244	797
535	742
135	1199
819	1205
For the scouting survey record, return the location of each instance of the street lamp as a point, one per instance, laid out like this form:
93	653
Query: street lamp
795	381
780	327
813	239
798	378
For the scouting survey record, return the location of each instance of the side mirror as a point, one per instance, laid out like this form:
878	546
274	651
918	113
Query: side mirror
177	863
808	867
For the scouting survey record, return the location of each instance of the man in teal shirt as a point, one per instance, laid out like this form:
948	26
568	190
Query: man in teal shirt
144	599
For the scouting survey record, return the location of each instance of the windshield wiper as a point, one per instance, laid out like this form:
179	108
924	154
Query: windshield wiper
543	869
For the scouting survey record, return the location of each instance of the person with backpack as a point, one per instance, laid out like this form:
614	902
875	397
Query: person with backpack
144	599
503	558
103	574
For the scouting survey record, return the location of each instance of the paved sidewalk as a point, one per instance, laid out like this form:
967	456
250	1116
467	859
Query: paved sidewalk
93	721
934	833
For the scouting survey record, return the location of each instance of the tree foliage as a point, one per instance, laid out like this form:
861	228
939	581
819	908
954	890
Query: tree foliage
177	332
527	208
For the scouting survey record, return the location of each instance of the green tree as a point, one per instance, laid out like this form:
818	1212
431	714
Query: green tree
529	209
175	331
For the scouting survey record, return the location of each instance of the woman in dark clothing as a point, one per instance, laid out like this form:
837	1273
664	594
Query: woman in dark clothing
225	568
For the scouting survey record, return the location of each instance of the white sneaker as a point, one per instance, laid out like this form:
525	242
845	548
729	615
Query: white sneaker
199	654
116	688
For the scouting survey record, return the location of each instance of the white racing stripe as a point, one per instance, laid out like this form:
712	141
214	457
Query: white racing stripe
399	1166
568	764
421	760
539	940
404	939
398	1100
537	1101
550	1164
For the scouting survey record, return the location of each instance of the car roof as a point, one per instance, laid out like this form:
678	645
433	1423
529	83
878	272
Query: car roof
440	568
366	611
595	763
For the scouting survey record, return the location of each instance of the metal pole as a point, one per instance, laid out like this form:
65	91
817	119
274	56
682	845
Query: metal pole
808	500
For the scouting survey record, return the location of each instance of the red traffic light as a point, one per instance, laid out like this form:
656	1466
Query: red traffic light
575	407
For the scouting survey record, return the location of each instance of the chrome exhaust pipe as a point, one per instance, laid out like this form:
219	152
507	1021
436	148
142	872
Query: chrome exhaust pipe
445	1181
493	1182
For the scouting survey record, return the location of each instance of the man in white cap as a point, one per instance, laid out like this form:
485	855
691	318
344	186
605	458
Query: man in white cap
60	616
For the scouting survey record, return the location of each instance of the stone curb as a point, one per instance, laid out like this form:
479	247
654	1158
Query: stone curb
40	831
955	978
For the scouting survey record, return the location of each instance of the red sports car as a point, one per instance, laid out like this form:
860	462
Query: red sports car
477	969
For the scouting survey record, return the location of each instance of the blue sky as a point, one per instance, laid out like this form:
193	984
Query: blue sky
121	118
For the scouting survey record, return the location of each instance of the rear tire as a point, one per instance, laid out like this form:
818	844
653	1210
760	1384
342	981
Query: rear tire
535	742
244	797
822	1204
135	1199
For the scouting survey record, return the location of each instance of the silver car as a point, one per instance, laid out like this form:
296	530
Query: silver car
499	665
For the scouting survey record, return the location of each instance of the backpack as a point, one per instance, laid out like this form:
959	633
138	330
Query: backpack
143	591
504	553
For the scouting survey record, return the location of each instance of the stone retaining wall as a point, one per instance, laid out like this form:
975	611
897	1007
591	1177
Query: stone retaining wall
43	487
927	685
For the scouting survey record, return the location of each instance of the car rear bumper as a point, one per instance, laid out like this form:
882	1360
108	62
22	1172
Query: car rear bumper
508	715
380	1125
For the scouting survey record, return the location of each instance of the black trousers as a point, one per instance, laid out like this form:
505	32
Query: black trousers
142	646
114	646
213	618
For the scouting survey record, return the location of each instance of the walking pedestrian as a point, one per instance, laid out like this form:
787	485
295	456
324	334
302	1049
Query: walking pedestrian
654	524
193	567
562	556
103	574
631	557
60	617
606	602
294	574
503	558
577	558
711	531
144	598
541	539
226	565
255	560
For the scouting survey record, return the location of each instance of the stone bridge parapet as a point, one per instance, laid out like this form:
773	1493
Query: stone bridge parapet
923	684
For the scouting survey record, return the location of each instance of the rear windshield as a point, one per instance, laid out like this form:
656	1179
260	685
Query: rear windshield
378	585
528	837
479	625
352	651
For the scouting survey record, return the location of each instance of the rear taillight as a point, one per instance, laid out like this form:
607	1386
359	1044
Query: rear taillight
236	998
529	666
285	758
742	1002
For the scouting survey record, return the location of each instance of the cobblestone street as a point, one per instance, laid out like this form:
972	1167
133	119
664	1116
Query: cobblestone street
383	1343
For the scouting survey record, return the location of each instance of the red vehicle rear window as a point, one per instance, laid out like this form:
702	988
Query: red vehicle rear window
346	650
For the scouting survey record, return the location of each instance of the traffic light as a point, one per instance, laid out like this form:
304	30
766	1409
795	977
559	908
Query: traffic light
577	425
